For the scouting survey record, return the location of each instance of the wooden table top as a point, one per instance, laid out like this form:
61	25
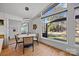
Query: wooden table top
26	35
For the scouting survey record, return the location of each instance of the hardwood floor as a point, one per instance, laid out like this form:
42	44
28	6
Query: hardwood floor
40	50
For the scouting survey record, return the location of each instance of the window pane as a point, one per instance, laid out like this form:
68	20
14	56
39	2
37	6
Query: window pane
57	29
60	7
77	31
63	5
77	24
24	28
55	25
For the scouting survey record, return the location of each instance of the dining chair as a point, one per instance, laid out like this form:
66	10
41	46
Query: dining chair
28	42
36	38
18	41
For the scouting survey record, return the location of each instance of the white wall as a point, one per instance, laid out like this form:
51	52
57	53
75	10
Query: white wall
5	29
2	29
14	24
38	22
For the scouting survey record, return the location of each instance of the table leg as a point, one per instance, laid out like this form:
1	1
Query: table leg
33	43
23	45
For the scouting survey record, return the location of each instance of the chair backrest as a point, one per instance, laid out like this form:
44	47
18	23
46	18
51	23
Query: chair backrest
28	40
37	35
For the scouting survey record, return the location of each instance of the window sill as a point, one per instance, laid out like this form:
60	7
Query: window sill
56	40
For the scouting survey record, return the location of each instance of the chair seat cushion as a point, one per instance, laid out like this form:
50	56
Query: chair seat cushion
35	39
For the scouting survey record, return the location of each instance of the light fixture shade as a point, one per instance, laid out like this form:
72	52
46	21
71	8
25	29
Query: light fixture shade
25	20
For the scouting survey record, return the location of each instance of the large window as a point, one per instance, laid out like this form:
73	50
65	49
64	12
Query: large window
57	30
77	23
24	28
77	31
55	25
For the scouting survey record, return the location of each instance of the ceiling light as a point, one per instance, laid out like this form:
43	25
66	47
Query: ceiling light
26	8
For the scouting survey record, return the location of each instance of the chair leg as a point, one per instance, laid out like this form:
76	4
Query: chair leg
23	49
37	41
23	45
16	46
33	47
33	44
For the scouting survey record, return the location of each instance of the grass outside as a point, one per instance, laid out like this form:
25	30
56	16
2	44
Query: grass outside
77	39
63	38
57	38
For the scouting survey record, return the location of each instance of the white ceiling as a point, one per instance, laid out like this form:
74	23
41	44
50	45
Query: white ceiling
18	9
